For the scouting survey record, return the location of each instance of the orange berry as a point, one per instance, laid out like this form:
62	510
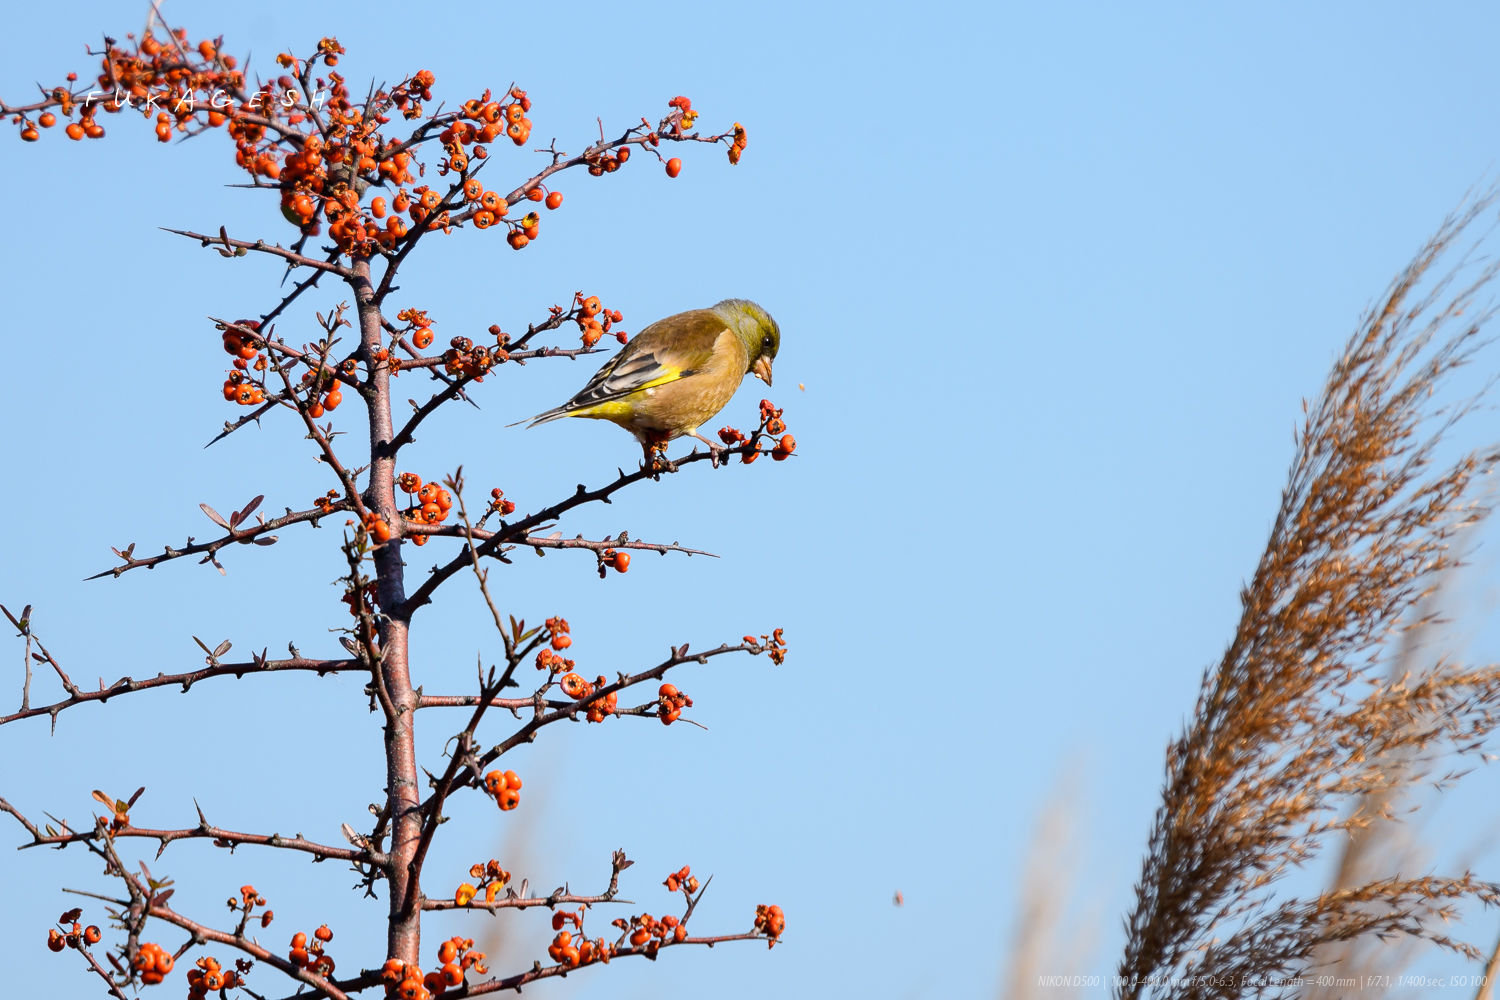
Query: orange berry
323	933
622	562
74	130
422	339
554	199
47	119
536	194
674	167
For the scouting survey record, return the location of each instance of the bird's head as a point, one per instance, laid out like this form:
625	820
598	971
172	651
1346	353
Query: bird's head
757	331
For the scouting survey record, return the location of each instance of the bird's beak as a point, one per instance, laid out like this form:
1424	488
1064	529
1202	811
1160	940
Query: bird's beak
762	369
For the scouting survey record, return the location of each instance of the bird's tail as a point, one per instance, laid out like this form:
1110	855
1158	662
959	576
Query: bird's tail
542	418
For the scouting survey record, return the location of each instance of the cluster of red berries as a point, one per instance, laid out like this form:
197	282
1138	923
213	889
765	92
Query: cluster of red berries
152	962
771	425
646	930
737	144
420	325
613	559
455	958
773	644
500	505
324	390
670	702
608	163
407	96
248	900
550	661
464	359
73	934
491	879
210	977
139	74
770	418
591	324
322	155
483	121
431	505
552	199
601	707
487	119
488	206
683	878
770	921
505	787
309	954
574	686
565	951
242	344
557	629
572	683
379	529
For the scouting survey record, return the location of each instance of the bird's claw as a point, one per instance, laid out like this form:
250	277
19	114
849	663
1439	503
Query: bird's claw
656	461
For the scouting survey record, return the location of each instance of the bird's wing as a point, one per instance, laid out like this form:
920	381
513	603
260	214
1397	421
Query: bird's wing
666	351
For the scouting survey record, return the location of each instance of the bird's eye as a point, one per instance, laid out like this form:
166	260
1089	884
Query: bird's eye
765	343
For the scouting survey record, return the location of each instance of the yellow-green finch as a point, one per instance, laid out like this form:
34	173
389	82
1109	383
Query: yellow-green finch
678	373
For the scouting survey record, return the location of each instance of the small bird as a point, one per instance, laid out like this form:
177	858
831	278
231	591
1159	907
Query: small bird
677	373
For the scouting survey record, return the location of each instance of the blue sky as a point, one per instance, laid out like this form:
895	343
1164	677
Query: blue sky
1055	279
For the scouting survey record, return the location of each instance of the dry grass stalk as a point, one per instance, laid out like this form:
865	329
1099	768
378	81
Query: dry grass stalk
1294	722
1048	938
1379	840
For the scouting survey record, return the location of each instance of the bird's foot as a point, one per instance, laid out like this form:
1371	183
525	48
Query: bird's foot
715	451
655	460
